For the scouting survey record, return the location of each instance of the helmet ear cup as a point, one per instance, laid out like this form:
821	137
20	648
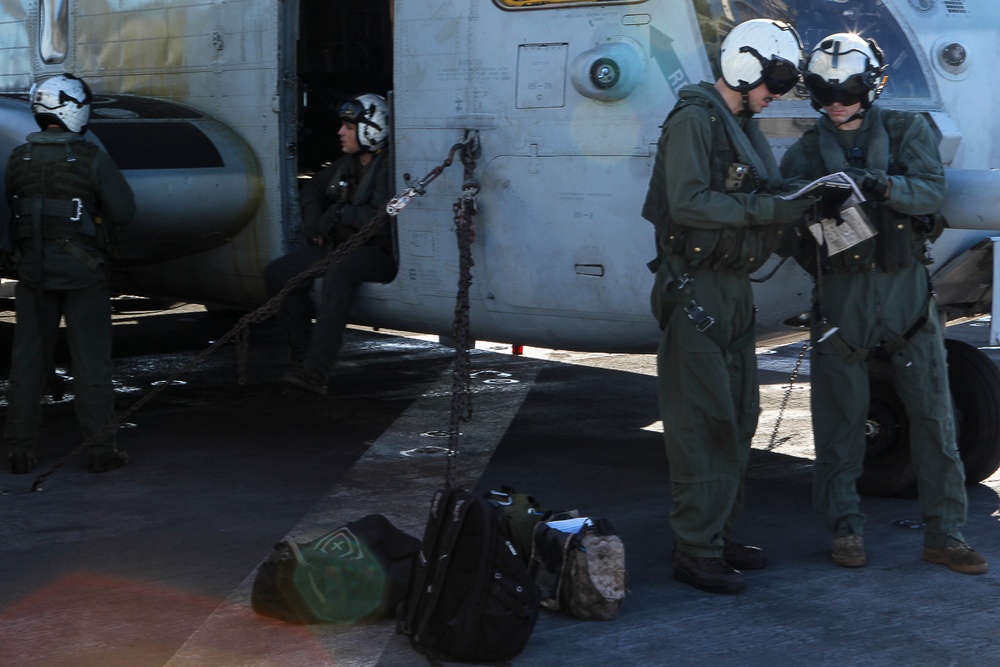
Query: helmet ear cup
62	100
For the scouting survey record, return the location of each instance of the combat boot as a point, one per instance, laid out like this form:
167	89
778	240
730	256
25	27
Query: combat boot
106	460
710	574
303	377
848	551
959	557
22	462
744	556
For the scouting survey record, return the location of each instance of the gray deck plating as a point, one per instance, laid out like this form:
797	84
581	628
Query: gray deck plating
151	565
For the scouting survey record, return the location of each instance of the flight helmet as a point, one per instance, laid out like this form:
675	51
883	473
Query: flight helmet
845	68
761	51
62	99
370	113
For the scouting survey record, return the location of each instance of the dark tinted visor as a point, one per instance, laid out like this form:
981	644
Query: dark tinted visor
351	111
780	76
848	93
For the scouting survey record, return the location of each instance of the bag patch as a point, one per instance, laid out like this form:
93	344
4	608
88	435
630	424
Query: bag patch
358	572
578	564
471	598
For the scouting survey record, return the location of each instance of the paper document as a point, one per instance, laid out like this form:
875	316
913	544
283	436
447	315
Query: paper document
570	525
840	236
827	184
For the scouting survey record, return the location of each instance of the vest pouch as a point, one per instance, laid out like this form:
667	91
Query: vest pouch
736	176
89	257
661	302
745	249
896	243
699	244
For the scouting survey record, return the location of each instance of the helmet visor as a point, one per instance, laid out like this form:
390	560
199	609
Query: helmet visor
850	92
780	76
351	111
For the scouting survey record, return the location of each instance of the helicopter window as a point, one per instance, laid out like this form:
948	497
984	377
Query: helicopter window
541	4
53	22
814	20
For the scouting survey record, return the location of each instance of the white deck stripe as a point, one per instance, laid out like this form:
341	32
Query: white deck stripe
384	482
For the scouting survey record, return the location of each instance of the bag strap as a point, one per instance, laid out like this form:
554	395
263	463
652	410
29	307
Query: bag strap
442	542
419	582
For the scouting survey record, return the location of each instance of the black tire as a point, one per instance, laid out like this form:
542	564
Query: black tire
888	466
974	381
975	392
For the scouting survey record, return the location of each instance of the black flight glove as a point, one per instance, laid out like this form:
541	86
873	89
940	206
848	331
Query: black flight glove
874	184
787	212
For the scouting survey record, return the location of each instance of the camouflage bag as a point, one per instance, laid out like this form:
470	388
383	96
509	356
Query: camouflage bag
578	565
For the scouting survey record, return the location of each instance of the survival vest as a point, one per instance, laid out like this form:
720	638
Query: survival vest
738	249
902	239
61	193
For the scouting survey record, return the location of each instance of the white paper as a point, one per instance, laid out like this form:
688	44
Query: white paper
569	525
836	179
840	236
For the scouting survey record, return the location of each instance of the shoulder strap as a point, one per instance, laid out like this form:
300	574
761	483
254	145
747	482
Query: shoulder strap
896	123
449	512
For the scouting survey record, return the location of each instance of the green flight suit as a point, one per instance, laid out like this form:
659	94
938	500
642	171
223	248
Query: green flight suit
715	223
876	292
62	267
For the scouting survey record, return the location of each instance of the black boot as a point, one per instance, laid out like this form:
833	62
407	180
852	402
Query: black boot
105	461
22	462
710	574
743	556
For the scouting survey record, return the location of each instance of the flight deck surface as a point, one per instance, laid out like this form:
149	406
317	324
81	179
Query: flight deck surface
151	565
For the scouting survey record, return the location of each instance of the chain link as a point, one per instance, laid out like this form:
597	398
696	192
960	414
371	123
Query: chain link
461	394
784	399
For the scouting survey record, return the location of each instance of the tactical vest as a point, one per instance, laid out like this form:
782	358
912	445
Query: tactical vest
61	192
352	186
736	249
902	239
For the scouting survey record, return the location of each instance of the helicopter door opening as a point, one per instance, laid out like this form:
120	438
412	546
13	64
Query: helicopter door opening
343	48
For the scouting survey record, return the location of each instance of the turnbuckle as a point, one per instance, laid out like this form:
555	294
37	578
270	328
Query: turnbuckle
470	149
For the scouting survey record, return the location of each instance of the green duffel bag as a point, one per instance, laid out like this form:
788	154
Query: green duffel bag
358	572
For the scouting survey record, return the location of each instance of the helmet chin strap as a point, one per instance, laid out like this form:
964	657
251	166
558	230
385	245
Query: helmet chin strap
856	116
745	98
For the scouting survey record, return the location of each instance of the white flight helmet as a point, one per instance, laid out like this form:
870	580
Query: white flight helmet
761	51
846	68
370	113
64	100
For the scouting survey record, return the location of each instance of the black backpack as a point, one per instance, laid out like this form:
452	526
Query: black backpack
358	572
518	514
471	598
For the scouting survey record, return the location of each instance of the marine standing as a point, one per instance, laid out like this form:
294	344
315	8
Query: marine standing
66	199
712	200
875	299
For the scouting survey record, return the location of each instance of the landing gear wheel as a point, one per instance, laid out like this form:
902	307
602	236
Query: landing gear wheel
974	380
975	392
888	468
